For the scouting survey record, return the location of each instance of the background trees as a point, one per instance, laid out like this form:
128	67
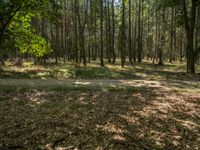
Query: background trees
89	30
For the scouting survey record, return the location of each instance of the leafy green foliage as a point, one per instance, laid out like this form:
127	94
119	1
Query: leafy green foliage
25	40
15	25
38	46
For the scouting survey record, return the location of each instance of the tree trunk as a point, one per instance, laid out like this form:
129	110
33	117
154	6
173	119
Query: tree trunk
113	32
101	30
190	27
139	33
129	34
190	61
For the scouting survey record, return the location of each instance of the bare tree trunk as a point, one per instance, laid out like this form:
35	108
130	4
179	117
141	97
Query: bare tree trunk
130	33
191	53
113	31
139	33
101	36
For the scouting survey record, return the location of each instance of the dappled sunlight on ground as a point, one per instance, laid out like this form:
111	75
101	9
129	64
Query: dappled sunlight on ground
148	118
145	70
104	84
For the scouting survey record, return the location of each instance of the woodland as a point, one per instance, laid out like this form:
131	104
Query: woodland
99	74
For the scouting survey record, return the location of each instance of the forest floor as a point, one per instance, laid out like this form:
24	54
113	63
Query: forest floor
146	71
157	110
102	84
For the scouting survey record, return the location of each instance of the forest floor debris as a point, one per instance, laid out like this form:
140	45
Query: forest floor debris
137	107
148	118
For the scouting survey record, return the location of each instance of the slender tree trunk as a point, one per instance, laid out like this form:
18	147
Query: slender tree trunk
57	45
75	32
172	36
123	43
129	34
109	34
101	36
135	37
113	31
139	33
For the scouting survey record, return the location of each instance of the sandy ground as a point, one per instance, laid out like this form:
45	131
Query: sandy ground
161	84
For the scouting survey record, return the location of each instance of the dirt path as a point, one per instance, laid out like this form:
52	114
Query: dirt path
162	84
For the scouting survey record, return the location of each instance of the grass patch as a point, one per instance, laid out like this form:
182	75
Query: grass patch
145	70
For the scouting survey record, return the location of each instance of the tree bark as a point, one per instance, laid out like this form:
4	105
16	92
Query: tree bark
129	34
101	36
189	27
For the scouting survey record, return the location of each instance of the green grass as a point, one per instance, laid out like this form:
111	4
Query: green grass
145	70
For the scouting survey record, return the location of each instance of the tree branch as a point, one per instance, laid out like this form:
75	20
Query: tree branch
5	25
9	19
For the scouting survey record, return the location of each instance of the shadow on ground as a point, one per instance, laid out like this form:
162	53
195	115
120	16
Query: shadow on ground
70	71
148	118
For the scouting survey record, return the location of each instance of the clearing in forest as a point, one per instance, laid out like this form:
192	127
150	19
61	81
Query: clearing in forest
141	113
